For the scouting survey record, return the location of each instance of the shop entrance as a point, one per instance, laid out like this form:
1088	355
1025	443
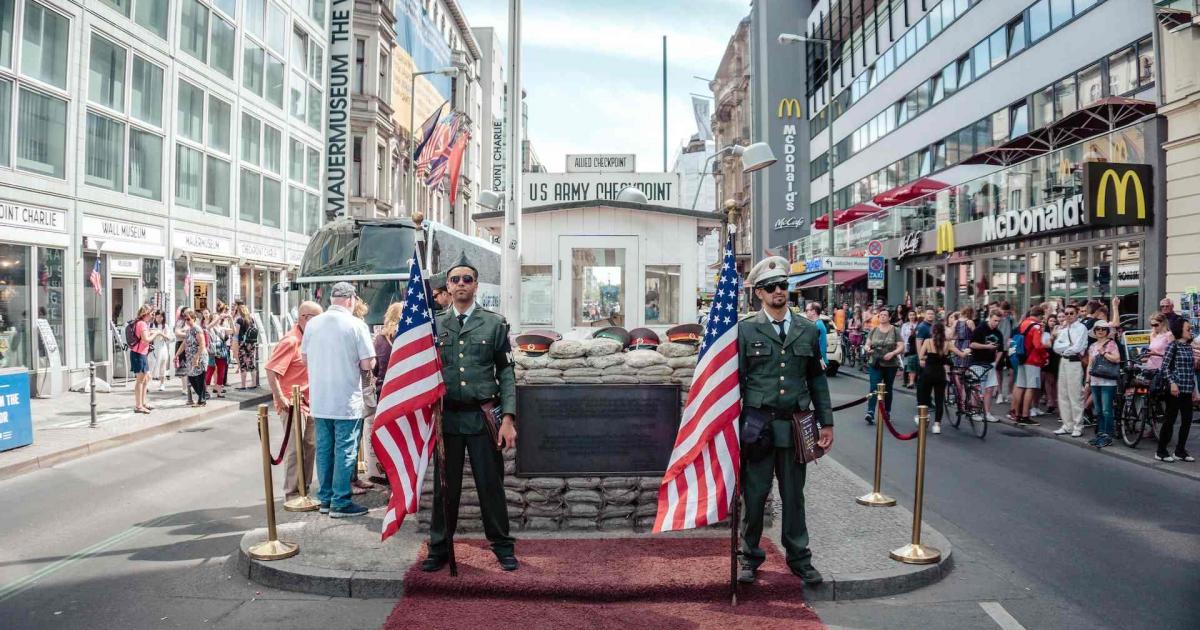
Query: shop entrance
201	294
124	307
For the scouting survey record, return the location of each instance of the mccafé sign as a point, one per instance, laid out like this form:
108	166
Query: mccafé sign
1064	213
1118	194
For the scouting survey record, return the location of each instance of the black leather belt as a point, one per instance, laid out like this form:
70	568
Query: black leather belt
462	405
1074	358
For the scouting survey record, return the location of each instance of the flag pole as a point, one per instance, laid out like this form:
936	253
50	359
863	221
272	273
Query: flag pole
735	510
437	423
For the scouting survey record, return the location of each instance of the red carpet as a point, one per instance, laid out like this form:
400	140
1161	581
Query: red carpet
602	583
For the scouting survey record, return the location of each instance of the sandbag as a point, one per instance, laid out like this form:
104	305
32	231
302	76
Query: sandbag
566	349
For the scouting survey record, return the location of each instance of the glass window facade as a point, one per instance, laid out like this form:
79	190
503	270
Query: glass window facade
598	287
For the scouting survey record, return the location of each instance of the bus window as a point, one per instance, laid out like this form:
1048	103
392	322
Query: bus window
384	249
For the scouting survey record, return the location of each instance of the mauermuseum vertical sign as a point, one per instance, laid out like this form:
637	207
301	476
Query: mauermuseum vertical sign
780	193
337	125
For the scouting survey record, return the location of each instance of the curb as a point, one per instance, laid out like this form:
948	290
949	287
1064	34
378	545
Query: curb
91	448
1119	453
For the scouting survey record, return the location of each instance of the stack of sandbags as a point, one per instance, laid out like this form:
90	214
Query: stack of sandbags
544	507
583	501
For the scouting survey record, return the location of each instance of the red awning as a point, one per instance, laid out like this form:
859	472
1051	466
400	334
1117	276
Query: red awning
839	277
852	213
1099	117
908	192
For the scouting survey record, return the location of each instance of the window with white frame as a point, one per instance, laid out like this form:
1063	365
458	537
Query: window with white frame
202	150
125	100
308	72
381	171
263	68
360	65
356	167
261	195
150	14
207	36
304	176
33	80
384	84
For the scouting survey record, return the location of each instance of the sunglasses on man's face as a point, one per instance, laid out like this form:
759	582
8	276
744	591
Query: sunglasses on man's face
774	286
464	279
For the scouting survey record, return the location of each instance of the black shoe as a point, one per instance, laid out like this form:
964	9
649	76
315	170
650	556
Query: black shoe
870	419
508	563
747	575
434	563
809	575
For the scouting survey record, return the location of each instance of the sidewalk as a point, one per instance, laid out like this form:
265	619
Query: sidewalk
1143	455
61	432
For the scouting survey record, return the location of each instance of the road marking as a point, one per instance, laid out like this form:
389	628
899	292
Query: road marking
1001	616
21	584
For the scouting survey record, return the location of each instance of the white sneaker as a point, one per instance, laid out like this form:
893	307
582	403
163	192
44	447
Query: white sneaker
937	427
1077	433
991	418
1033	412
1061	431
1168	459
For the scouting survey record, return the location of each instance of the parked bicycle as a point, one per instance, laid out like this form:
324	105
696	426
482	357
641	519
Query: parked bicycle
967	388
1139	412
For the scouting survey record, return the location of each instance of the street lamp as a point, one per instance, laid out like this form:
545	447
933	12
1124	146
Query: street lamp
448	71
789	38
490	199
754	157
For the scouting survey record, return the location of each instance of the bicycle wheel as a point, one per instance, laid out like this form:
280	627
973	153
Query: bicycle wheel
1133	417
976	416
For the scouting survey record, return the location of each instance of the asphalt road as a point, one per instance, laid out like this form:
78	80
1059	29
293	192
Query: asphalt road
1049	535
1075	538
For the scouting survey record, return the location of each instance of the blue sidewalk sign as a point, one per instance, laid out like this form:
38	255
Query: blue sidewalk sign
16	422
876	270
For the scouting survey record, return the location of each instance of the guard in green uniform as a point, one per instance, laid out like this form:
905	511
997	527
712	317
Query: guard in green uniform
477	369
779	362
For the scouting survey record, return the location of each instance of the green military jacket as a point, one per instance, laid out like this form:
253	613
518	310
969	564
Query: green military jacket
782	376
476	366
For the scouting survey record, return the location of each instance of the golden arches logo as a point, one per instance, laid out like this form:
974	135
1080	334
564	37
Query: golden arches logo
789	108
1120	184
945	238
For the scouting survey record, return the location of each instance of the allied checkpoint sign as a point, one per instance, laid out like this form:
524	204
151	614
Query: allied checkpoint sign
16	422
595	430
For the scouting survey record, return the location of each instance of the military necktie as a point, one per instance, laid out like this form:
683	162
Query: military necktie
461	318
782	335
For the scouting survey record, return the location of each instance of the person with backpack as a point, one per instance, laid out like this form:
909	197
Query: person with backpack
218	352
138	337
246	332
1027	355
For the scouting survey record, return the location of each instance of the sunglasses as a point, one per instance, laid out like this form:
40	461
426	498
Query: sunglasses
464	279
772	287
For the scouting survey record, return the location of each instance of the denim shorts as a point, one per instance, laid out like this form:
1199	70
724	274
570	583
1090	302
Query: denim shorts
138	363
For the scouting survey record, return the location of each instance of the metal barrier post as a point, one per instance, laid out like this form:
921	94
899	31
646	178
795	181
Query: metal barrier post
302	503
875	498
915	552
92	392
272	548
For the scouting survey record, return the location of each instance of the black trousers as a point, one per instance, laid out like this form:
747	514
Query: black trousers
931	390
487	466
1181	404
197	383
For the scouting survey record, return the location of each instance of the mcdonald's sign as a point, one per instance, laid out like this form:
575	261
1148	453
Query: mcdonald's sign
1118	194
945	237
789	108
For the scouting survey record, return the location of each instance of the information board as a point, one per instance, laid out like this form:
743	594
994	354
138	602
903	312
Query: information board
16	422
582	430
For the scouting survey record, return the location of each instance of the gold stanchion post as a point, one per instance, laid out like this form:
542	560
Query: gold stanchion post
915	552
875	498
302	503
272	548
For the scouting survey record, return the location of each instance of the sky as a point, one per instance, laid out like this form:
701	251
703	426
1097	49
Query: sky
592	70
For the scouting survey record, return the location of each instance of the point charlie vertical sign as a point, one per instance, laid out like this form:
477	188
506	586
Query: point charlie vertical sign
777	81
337	122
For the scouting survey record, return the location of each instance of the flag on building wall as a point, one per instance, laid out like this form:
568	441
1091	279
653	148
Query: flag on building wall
456	160
440	163
96	279
701	478
427	128
402	434
701	108
441	138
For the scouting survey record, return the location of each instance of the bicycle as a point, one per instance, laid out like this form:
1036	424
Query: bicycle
854	350
968	397
1137	407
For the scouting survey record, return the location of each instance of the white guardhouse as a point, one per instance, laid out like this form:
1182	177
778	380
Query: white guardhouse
595	263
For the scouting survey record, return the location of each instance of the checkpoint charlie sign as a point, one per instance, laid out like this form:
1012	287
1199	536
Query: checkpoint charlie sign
541	189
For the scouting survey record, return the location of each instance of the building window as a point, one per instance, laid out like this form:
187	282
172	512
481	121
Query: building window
252	67
308	65
146	91
272	149
1020	119
223	44
216	186
193	29
202	178
188	176
360	65
8	10
1000	127
662	295
295	213
1091	86
249	205
537	295
597	287
152	15
254	16
105	152
356	168
1064	97
998	46
251	139
1145	62
220	123
1122	73
982	58
261	145
1016	36
1060	13
44	45
42	134
1039	20
1043	107
277	27
385	75
380	172
106	77
145	164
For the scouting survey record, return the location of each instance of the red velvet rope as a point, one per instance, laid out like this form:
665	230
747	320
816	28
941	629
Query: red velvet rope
887	421
287	434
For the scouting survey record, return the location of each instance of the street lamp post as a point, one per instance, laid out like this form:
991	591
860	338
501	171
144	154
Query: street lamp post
754	157
785	38
448	71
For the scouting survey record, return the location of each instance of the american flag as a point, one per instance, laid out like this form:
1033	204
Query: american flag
439	144
701	479
402	434
95	278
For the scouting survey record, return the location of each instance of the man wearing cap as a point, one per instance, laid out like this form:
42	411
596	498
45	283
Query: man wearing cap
337	347
478	372
437	284
779	363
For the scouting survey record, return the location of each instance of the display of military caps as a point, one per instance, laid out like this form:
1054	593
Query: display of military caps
534	343
767	270
616	333
643	339
464	262
686	333
437	281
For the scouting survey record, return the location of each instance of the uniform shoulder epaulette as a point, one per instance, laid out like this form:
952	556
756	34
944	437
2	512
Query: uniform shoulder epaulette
744	316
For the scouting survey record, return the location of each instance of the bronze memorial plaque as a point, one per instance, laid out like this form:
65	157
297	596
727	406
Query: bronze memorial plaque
582	430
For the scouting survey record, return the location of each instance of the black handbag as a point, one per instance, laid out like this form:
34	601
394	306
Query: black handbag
1160	385
1103	368
758	441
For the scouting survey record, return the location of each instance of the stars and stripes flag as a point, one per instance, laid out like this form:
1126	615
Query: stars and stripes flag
95	279
701	478
439	141
441	154
402	434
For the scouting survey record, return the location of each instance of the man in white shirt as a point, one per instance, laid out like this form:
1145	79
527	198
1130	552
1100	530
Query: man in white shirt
337	348
1070	343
